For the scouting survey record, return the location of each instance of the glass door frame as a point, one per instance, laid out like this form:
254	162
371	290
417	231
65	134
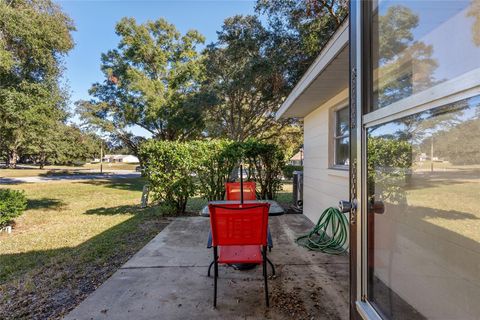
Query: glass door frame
361	97
360	60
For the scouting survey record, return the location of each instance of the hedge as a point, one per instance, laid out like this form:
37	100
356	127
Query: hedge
12	204
290	169
178	171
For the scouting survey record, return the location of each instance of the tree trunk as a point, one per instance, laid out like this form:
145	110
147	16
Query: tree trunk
12	159
42	160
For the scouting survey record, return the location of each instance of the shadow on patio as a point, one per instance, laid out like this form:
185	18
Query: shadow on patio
167	279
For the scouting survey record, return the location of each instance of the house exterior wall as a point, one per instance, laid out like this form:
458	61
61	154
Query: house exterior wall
323	186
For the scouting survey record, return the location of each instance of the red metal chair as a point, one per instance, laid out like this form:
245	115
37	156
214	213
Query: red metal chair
239	235
234	190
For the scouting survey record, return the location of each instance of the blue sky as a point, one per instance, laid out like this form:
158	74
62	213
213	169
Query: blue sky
95	22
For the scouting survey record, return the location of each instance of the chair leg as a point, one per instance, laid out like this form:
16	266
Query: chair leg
210	267
265	278
271	265
215	270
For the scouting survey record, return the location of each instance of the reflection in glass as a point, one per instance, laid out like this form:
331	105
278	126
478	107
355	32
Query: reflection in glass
424	250
417	45
342	148
341	137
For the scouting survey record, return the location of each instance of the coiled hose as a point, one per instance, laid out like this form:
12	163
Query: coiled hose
318	239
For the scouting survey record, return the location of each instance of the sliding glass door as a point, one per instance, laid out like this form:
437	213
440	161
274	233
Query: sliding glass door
417	113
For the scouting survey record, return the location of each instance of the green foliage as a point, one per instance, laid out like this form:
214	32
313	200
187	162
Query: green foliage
180	170
62	144
447	146
302	28
12	204
245	81
388	165
217	161
398	47
265	162
34	38
151	81
289	169
171	168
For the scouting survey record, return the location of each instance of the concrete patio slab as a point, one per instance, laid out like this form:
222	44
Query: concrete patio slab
167	279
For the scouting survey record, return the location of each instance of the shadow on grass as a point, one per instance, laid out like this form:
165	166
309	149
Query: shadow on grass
422	213
68	172
127	209
133	184
44	203
47	284
10	181
426	179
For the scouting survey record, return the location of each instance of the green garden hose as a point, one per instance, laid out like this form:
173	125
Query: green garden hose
318	240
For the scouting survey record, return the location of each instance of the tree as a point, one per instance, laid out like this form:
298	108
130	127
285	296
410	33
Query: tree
151	81
304	26
68	145
245	75
404	65
34	38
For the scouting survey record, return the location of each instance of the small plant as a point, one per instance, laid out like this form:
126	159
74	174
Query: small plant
12	204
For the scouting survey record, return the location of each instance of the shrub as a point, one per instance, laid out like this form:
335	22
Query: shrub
180	170
265	162
289	169
12	204
170	168
218	158
389	163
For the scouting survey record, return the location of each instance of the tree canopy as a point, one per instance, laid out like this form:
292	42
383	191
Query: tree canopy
151	81
304	26
157	78
35	35
245	73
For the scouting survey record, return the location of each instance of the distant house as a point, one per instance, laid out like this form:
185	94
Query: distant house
123	158
297	159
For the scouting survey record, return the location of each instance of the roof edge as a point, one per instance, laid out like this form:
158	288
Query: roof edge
330	50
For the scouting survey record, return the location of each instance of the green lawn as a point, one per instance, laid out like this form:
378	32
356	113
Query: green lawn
285	196
32	171
73	236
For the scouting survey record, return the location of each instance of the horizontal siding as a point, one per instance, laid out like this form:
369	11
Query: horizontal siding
321	188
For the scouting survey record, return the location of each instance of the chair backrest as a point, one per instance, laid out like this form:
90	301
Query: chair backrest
239	224
234	190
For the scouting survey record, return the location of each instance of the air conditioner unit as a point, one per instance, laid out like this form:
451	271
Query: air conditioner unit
297	191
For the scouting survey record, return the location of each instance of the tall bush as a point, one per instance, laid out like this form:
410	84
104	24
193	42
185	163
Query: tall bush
265	162
171	168
12	204
389	164
180	170
217	159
